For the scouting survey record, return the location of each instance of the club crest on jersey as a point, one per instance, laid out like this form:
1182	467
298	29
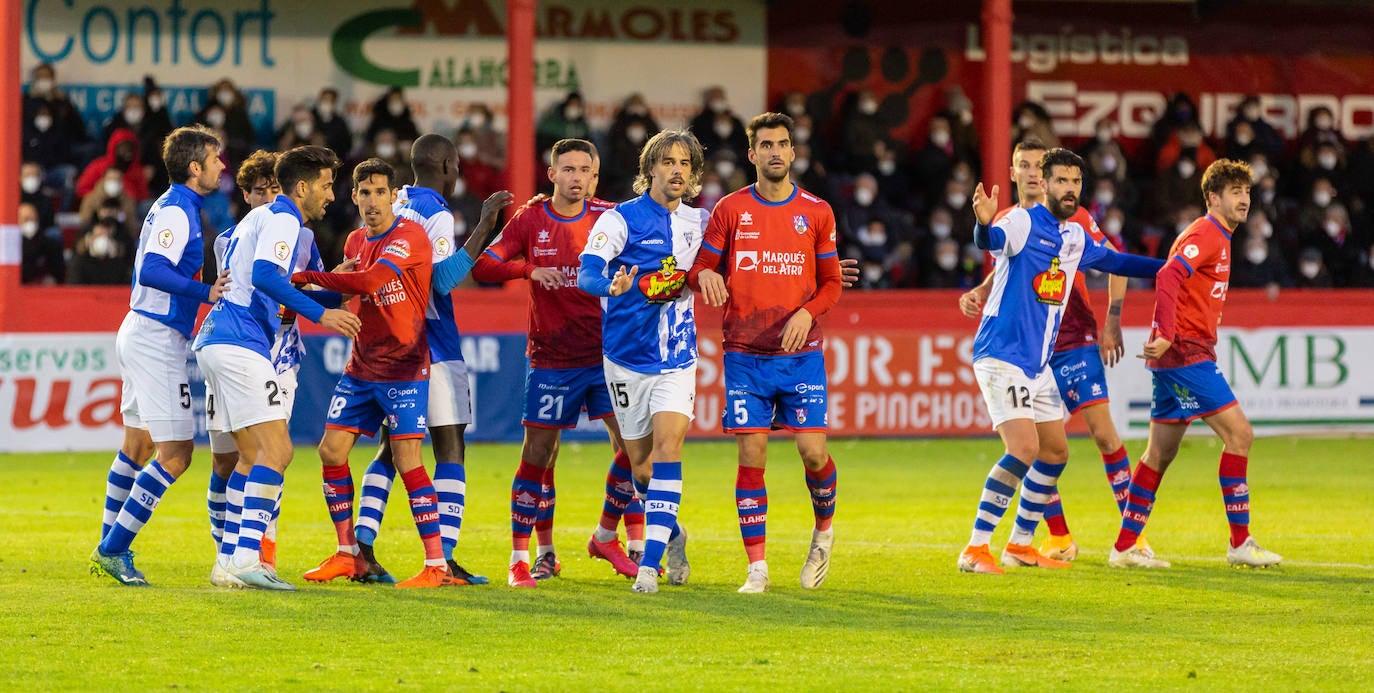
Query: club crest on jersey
1049	285
165	238
399	247
281	250
664	285
442	247
799	224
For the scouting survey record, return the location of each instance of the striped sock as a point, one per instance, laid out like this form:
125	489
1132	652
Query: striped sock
138	508
1118	468
259	495
1000	486
661	506
214	500
123	471
543	520
233	514
620	491
1235	493
821	484
1036	491
751	503
377	482
338	497
524	509
1054	516
1140	501
451	485
424	509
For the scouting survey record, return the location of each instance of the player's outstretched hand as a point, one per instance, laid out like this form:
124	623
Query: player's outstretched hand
622	281
341	321
496	202
971	302
713	288
348	265
849	272
538	199
220	286
984	204
548	277
1155	348
1112	346
795	331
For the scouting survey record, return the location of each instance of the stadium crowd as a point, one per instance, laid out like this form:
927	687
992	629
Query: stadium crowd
902	207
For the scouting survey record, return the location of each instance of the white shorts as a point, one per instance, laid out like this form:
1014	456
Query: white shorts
220	439
450	394
156	383
1009	394
638	396
246	388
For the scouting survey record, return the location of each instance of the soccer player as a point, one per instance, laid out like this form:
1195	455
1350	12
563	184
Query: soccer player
1038	252
648	329
1188	385
542	243
774	244
234	348
1077	363
387	374
434	160
151	348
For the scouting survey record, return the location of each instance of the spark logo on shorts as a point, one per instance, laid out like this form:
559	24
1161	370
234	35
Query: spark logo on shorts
399	247
1049	285
664	285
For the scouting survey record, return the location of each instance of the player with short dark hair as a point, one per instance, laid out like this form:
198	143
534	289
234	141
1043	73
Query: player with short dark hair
151	348
769	257
1039	251
648	332
1190	293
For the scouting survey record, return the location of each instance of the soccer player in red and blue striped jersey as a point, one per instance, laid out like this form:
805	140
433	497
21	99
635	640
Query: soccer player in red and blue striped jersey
769	257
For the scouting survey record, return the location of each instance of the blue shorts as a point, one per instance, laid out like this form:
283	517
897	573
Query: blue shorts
1080	376
360	405
1189	393
763	390
555	396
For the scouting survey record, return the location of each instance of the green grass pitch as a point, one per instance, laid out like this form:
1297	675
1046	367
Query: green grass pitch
894	613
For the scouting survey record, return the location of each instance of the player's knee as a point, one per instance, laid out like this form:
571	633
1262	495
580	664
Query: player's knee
1240	439
1054	453
814	457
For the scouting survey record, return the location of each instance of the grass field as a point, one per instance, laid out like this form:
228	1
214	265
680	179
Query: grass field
894	613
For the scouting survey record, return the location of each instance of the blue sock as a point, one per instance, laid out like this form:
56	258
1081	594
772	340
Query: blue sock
123	471
215	501
450	483
377	481
998	489
660	511
138	508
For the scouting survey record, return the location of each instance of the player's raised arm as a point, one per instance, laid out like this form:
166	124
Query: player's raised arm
507	258
985	209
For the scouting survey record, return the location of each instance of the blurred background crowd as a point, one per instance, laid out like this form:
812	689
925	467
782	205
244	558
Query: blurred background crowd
902	207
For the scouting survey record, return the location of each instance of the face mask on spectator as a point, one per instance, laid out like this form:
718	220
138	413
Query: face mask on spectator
1186	168
572	112
386	150
215	118
955	200
1251	113
304	129
478	120
796	107
1258	171
723	128
868	106
1104	135
873	236
873	273
887	167
1333	228
460	187
803	134
1322	122
1257	256
133	116
725	169
42	123
863	197
460	226
1326	160
1112	226
326	109
396	107
101	246
711	190
1322	198
801	165
155	102
637	109
939	138
719	105
1267	195
467	150
947	261
940	230
1181	226
31	184
636	134
225	97
42	86
1244	138
29	228
1265	229
1104	197
113	188
1309	269
1026	121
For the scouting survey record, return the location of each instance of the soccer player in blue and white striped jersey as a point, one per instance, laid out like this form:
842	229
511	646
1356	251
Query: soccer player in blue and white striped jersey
152	347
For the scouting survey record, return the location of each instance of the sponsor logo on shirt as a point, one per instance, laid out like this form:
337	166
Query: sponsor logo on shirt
746	219
651	241
800	224
746	260
544	252
165	238
741	235
399	247
1049	286
664	285
543	237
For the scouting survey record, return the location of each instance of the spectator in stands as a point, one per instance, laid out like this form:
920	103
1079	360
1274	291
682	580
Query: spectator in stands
1256	265
726	166
959	112
1364	273
632	126
391	112
1104	155
947	270
131	116
566	119
42	261
862	206
1030	119
1103	198
893	184
64	121
157	125
32	191
1321	129
49	146
1175	187
810	173
1261	137
1185	141
122	155
861	128
711	190
935	160
101	255
110	192
793	103
1113	226
1312	273
1361	174
467	208
717	127
1328	163
481	178
329	117
1320	196
226	109
1339	243
388	147
1180	112
956	198
300	129
491	143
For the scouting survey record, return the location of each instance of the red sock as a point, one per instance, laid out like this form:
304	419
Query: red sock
543	524
751	502
424	509
1054	516
338	496
821	484
620	490
1235	493
524	504
1139	502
